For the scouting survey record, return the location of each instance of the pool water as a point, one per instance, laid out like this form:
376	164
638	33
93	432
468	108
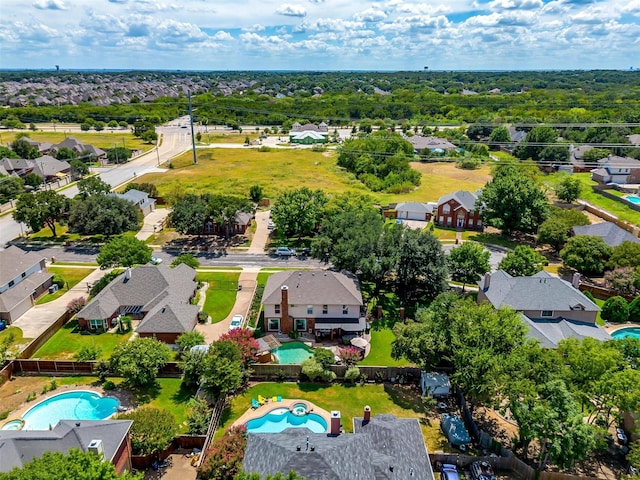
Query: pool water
635	199
75	405
281	418
12	425
628	332
292	353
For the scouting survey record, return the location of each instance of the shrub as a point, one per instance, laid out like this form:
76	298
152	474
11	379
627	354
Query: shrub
88	353
324	357
328	376
53	385
589	295
615	309
58	280
311	369
350	355
202	317
77	304
634	310
152	429
255	193
190	339
4	414
108	385
103	369
469	163
198	416
32	396
223	459
352	374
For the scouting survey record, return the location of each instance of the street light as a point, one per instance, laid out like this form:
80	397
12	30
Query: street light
157	153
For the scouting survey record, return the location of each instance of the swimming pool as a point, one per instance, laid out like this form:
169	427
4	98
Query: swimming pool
280	419
635	199
13	425
75	405
292	353
627	332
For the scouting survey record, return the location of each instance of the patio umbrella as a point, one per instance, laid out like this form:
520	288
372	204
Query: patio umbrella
359	342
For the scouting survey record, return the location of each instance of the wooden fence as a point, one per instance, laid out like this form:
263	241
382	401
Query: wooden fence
6	372
69	367
213	426
263	371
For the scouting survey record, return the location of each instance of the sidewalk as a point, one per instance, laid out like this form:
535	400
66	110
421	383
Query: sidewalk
37	319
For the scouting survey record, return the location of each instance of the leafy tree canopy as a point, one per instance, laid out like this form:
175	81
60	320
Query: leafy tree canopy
138	361
92	186
298	212
188	259
125	251
523	261
10	187
103	214
586	253
468	262
152	429
41	208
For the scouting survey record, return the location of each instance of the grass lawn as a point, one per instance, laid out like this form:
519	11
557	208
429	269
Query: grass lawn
233	171
380	354
227	137
68	340
162	237
221	294
263	277
599	319
168	394
103	140
71	275
62	234
619	209
349	400
16	332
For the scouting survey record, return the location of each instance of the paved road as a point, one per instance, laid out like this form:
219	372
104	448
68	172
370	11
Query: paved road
174	142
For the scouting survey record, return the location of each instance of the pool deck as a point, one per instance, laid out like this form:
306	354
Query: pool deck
262	410
612	327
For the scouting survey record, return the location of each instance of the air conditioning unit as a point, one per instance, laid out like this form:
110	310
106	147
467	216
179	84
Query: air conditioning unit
53	288
95	446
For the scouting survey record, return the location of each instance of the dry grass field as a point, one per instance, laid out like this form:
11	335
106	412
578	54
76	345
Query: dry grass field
234	171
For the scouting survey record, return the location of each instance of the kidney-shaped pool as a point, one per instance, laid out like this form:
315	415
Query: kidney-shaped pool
280	419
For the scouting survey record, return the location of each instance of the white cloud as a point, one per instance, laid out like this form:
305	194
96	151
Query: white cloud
370	15
222	35
291	10
50	5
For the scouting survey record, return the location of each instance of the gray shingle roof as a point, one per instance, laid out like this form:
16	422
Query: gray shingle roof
14	261
18	447
368	453
541	291
612	234
414	207
313	287
617	161
550	332
148	287
463	197
420	142
170	318
137	197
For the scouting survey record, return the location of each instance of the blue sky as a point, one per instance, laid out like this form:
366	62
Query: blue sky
320	34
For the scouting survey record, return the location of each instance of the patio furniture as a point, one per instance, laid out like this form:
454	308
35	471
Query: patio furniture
262	400
254	403
274	399
279	398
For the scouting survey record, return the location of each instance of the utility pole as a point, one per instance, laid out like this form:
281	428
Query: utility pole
193	138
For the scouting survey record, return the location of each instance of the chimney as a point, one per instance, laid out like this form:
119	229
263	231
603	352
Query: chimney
575	280
335	423
286	324
487	282
127	274
367	415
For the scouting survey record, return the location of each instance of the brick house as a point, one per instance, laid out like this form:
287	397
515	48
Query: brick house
458	210
313	301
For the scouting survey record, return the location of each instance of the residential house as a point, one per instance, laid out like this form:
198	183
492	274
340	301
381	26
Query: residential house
18	167
140	199
309	133
313	301
382	447
107	437
611	233
414	211
615	169
23	278
551	308
422	144
459	210
576	158
239	226
516	135
46	167
82	150
42	147
157	295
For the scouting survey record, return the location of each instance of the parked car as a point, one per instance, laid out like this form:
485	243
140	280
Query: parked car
482	471
271	225
621	436
156	260
236	322
285	252
449	472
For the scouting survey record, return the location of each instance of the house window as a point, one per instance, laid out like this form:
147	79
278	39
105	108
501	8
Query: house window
277	308
325	309
345	309
446	209
95	324
309	309
479	224
273	325
301	324
546	313
470	222
441	219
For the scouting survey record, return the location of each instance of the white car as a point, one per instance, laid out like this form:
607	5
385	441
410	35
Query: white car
236	322
285	252
156	260
271	225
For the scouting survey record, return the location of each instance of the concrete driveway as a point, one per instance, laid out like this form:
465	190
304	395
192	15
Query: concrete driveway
262	232
153	223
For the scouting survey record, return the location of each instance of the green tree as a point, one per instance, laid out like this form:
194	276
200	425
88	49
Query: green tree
74	464
498	136
123	252
569	189
222	371
92	186
118	155
324	357
535	142
41	208
149	136
140	127
153	429
112	124
223	459
148	188
522	261
188	259
513	202
6	152
190	339
24	149
255	193
468	262
554	232
140	360
10	188
615	309
586	253
198	416
627	254
33	180
634	310
78	167
421	267
103	214
298	212
66	154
